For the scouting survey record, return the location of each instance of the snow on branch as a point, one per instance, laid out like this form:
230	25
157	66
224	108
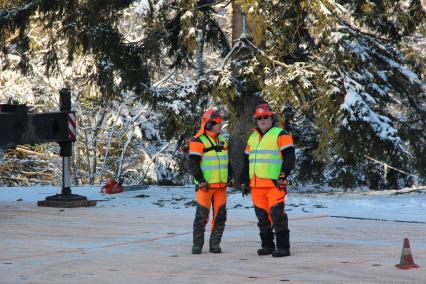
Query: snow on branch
356	104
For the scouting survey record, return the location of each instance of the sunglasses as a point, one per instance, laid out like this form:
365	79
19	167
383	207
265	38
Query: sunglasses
262	118
214	115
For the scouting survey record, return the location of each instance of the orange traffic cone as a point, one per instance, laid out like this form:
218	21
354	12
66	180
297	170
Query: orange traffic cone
406	261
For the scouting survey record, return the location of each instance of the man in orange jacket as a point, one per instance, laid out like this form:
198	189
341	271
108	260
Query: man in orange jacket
268	160
208	163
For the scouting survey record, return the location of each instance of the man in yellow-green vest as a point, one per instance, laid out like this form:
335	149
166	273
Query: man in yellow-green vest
268	160
208	163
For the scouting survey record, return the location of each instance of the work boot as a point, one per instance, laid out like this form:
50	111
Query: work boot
283	244
196	249
265	251
215	249
281	252
268	245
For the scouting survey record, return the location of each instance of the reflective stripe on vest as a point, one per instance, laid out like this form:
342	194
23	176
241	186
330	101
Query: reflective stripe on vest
265	158
214	165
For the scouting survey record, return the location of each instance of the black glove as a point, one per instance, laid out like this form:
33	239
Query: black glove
245	190
203	186
230	183
282	182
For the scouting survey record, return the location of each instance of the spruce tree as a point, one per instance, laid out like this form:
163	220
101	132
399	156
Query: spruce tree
86	27
339	68
343	76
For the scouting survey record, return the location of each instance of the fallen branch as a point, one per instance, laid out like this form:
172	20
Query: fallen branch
26	151
25	179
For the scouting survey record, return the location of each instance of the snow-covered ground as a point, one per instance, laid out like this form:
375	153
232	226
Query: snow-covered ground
145	236
403	205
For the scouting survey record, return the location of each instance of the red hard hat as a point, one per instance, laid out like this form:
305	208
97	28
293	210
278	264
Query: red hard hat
263	110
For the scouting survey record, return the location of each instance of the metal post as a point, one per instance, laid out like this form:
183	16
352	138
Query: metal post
65	147
66	198
66	176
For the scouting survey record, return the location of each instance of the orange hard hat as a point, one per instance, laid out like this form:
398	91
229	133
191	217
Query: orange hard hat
212	115
263	110
209	119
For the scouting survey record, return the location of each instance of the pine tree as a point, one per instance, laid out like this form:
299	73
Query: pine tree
344	76
118	65
351	88
86	27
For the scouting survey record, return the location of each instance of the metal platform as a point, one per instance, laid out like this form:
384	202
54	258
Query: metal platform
66	204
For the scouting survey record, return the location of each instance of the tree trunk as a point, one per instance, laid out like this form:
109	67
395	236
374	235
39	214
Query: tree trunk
240	128
237	22
199	64
241	122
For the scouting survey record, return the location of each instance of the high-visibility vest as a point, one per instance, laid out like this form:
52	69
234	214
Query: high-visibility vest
265	158
214	163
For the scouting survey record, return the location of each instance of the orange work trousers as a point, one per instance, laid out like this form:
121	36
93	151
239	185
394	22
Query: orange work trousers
205	200
212	197
269	206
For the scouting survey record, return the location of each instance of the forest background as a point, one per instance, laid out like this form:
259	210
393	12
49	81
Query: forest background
345	78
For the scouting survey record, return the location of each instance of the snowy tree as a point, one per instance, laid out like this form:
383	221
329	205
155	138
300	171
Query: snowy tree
339	66
68	46
347	78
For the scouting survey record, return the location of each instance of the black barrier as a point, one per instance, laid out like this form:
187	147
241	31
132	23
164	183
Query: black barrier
18	126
